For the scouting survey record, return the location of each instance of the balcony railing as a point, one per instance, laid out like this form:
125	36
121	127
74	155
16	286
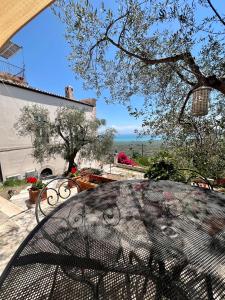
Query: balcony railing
10	69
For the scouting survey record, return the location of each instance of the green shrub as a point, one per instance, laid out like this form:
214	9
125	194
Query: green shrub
164	170
143	161
166	165
136	155
14	182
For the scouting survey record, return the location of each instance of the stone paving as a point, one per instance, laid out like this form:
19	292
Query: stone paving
17	219
17	216
12	232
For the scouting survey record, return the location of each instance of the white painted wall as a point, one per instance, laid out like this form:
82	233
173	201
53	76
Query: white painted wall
15	151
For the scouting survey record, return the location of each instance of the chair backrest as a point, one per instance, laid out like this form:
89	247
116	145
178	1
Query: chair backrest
55	192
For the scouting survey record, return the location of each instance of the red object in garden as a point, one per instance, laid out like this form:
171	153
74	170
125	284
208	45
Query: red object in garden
31	179
220	181
36	189
73	170
124	159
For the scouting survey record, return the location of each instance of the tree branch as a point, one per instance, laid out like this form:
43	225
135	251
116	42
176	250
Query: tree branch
194	67
62	136
216	12
185	103
146	60
114	21
83	133
123	30
96	44
215	83
105	36
182	77
92	48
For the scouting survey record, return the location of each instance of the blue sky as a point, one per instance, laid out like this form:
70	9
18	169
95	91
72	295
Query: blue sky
45	55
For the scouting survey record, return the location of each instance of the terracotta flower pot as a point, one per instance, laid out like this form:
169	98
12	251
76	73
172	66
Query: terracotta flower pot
99	179
33	194
84	184
72	182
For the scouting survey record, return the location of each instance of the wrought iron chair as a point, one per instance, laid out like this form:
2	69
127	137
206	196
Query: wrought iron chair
58	191
81	238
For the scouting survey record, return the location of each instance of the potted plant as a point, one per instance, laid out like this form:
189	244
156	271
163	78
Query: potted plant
89	180
99	179
35	190
85	184
73	176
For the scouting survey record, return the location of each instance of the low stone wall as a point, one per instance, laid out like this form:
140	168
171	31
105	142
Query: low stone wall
133	168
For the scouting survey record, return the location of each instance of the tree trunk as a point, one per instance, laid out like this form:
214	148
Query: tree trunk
70	165
71	162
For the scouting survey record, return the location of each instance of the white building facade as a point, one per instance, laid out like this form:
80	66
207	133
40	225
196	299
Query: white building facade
16	158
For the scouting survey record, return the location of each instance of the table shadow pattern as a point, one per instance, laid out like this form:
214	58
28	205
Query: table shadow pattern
125	240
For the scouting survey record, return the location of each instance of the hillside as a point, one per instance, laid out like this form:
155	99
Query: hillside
148	148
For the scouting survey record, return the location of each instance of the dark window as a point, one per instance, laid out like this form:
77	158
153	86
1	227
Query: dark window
46	172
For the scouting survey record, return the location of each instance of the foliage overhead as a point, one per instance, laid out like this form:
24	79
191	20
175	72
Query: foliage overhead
158	49
69	133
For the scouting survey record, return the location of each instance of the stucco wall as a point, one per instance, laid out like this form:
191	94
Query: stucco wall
15	151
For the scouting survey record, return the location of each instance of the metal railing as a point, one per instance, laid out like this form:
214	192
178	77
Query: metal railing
11	69
55	192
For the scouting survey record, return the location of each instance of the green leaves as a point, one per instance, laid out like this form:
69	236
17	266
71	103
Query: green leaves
161	171
110	46
70	132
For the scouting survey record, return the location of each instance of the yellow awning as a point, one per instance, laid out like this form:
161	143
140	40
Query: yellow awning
14	14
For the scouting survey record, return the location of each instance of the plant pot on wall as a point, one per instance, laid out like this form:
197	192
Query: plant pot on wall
84	184
33	194
72	182
99	179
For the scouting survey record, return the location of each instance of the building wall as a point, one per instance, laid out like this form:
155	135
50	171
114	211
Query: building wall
15	151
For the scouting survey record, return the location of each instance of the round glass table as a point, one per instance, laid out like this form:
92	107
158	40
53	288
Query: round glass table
135	239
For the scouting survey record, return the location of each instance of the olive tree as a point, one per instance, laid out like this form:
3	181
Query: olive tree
160	50
67	134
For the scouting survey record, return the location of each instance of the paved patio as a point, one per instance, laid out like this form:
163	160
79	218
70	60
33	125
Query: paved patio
16	221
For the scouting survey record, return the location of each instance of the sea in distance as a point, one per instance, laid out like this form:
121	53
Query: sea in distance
121	138
130	143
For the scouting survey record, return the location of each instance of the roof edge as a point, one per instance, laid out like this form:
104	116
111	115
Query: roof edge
29	88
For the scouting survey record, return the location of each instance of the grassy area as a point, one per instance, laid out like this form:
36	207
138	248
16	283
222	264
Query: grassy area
12	186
